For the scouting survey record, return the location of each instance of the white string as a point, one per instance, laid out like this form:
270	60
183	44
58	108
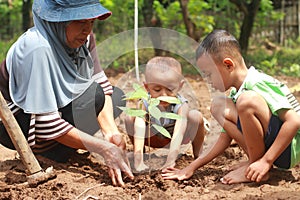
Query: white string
136	55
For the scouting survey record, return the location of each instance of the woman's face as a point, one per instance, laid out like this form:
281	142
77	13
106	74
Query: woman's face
77	32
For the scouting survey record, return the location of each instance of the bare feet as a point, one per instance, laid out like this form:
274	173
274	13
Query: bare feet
238	176
238	165
141	167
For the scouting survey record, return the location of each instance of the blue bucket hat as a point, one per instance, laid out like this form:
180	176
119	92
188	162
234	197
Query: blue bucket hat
69	10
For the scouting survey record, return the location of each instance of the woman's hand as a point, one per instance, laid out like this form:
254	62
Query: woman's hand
116	139
114	156
117	161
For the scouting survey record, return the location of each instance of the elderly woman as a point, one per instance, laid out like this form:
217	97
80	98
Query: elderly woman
57	90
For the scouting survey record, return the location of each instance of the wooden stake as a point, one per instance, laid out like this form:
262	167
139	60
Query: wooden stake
18	139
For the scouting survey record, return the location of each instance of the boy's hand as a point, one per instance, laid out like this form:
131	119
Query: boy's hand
173	173
168	165
258	170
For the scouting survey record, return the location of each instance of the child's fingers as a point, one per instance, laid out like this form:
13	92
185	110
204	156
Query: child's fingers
169	169
169	176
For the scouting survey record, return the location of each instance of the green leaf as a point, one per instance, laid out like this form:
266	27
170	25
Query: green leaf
138	93
162	130
133	112
154	112
136	86
171	115
172	100
154	102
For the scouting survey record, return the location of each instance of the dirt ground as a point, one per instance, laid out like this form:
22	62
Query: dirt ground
85	176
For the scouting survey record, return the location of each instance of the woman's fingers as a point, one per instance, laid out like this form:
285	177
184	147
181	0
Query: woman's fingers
112	176
119	141
118	175
119	163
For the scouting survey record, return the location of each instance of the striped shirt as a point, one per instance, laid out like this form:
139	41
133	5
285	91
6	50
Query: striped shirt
102	79
45	128
294	103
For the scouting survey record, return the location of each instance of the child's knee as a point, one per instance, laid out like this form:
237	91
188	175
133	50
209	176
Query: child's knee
250	100
196	123
195	117
129	120
129	125
218	106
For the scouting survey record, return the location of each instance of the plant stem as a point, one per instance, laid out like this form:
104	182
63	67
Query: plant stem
149	145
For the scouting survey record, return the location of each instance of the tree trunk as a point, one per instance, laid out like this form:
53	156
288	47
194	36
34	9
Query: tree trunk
189	25
151	20
249	11
26	15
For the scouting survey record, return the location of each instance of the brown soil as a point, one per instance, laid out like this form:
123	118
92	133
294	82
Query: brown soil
86	177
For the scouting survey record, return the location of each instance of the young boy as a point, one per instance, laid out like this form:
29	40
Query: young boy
261	114
163	77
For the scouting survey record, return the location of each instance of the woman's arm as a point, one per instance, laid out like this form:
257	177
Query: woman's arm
105	118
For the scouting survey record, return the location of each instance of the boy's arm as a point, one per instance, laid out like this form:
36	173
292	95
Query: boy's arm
139	135
291	124
178	133
139	141
219	147
139	131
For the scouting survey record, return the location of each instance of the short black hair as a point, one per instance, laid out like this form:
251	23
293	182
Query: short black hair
219	43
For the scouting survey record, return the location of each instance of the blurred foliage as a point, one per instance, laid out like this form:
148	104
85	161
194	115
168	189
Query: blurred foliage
4	46
11	19
279	61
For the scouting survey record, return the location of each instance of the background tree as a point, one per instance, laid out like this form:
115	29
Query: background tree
249	11
10	18
152	20
26	15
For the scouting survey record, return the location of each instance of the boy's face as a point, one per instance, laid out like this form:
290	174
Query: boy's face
163	84
213	74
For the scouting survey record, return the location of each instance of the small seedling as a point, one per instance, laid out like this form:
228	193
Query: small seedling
140	93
